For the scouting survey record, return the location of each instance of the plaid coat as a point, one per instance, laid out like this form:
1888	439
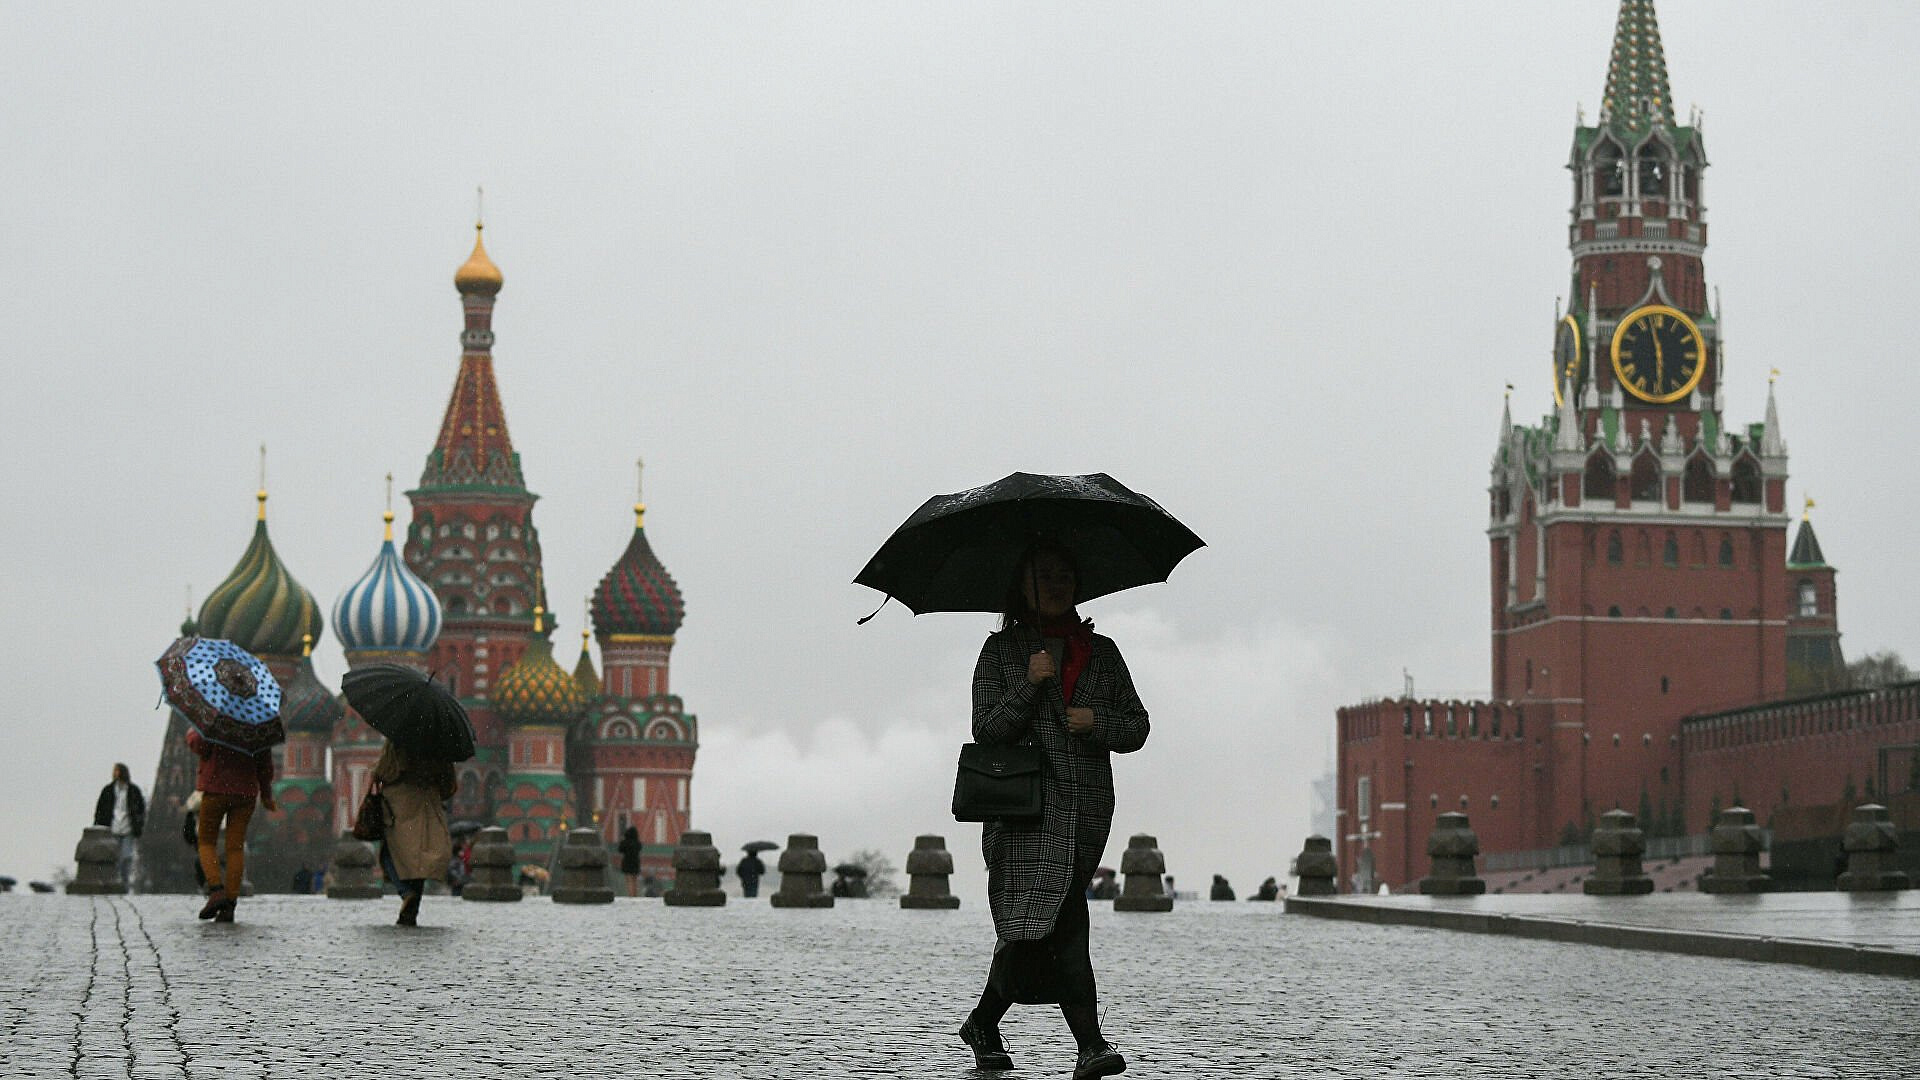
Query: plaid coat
1032	865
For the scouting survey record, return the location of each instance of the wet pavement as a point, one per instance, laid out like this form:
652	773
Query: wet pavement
306	987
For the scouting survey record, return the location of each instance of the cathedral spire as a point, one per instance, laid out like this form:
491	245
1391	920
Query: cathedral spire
1637	96
1772	443
474	449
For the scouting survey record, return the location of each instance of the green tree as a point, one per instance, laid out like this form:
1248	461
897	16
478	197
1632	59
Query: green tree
1883	668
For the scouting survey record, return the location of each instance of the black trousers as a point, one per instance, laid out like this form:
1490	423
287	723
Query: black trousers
1056	968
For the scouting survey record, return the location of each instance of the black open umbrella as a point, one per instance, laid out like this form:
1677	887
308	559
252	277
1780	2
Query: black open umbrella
850	870
960	552
419	714
755	847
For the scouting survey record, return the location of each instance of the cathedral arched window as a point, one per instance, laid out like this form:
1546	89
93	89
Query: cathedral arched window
1809	598
1696	486
1599	481
1646	477
1747	486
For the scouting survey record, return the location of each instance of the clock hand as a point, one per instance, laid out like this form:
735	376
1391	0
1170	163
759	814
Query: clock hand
1659	364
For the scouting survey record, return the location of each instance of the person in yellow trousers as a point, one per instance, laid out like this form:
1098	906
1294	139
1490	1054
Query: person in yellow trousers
230	783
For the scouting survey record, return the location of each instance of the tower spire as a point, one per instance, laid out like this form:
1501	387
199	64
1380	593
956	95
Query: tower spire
474	448
1637	95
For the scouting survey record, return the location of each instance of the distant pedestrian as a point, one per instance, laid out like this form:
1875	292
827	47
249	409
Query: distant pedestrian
1269	890
230	782
417	845
1221	889
1105	885
190	833
751	870
1079	707
122	808
302	880
630	859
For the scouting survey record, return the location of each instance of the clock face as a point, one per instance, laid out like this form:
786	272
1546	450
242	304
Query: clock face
1658	354
1569	359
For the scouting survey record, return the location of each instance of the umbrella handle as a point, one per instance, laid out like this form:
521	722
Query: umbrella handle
876	611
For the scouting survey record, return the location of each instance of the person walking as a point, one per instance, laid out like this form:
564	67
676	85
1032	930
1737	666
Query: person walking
630	858
417	845
751	870
1045	676
122	808
230	782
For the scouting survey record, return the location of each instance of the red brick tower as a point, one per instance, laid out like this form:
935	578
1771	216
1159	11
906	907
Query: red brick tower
1815	664
472	539
1638	540
636	745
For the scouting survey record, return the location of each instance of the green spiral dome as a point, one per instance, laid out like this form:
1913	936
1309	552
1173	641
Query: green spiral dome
260	607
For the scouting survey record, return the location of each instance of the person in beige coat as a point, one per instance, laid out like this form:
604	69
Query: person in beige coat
417	845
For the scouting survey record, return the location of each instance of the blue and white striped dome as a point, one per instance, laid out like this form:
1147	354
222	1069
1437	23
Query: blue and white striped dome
388	609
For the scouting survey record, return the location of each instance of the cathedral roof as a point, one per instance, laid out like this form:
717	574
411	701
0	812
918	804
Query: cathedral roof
638	596
260	607
478	276
536	689
584	676
1806	552
1637	96
305	703
388	609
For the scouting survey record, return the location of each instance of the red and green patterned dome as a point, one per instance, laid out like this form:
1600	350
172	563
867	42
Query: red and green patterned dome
537	690
260	607
638	596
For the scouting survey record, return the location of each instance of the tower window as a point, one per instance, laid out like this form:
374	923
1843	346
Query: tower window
1672	613
1613	611
1726	614
1653	173
1646	477
1746	480
1726	551
1599	480
1809	598
1615	554
1697	485
1670	552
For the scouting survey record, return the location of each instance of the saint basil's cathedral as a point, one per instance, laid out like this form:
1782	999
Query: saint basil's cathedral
460	594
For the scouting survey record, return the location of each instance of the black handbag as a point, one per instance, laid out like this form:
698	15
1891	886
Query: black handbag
998	783
371	823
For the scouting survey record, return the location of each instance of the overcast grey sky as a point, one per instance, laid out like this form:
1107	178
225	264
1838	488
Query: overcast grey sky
1269	263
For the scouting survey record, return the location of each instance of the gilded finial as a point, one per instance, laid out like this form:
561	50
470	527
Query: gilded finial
539	602
306	644
1772	374
388	515
262	493
639	492
1806	512
586	623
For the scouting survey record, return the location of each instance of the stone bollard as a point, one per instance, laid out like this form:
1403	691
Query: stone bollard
353	870
1317	868
929	865
1736	855
492	878
1142	865
1452	846
583	870
98	864
1872	847
696	873
1618	844
802	869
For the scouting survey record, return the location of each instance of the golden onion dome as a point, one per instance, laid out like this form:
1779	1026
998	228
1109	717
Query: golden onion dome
536	689
478	275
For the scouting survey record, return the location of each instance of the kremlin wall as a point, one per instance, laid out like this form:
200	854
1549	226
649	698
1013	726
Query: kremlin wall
459	593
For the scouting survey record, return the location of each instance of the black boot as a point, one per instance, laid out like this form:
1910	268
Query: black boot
1100	1059
989	1052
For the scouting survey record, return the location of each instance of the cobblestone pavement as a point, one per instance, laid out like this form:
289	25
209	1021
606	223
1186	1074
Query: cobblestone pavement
307	987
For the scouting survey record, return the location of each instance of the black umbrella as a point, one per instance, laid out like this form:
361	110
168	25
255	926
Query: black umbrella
462	828
850	870
755	847
419	714
960	552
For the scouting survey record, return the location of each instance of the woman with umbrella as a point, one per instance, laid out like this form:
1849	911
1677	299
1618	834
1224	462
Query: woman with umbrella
229	782
417	845
427	730
1030	547
1079	708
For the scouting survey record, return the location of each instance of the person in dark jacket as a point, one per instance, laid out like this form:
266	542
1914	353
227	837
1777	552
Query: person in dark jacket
1221	889
1046	676
229	783
122	808
630	859
1269	890
751	870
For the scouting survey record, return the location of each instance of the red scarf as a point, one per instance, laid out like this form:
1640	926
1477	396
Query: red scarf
1079	639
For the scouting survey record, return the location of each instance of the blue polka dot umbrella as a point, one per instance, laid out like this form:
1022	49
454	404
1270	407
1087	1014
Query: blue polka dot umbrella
224	691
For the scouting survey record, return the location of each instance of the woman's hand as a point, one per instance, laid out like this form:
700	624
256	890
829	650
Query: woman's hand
1040	667
1079	721
267	804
